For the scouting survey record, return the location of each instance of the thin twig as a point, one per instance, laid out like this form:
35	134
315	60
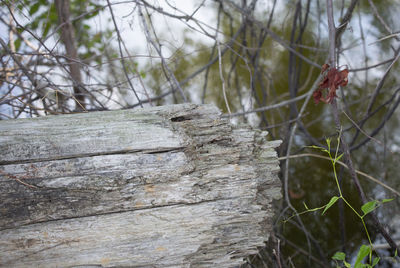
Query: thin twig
371	66
366	134
270	107
385	37
371	178
381	20
221	75
122	55
302	251
382	81
290	141
376	93
158	49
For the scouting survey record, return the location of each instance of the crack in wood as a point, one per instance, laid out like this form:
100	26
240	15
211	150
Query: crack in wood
143	151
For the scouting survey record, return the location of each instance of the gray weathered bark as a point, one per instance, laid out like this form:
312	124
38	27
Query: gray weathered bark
172	186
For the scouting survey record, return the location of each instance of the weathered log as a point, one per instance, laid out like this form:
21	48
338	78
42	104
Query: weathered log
171	186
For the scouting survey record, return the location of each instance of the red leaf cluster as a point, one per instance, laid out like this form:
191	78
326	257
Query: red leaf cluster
332	80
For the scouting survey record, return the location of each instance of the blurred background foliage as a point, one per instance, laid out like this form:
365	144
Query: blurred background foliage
251	49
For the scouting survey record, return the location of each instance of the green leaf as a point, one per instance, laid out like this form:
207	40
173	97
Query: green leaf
46	29
362	253
17	44
338	158
96	38
34	8
315	147
340	256
20	29
375	262
328	142
331	202
35	24
348	265
368	207
386	200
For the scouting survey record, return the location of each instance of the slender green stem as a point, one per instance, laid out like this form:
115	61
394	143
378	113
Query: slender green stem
334	160
366	231
336	179
348	204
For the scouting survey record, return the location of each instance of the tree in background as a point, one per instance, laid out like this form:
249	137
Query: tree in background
259	61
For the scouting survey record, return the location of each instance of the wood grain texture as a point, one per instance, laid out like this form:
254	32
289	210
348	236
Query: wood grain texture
170	186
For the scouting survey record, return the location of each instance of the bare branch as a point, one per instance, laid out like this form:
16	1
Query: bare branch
122	58
158	49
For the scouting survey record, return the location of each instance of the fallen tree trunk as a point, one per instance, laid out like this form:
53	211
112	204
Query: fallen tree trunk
170	186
